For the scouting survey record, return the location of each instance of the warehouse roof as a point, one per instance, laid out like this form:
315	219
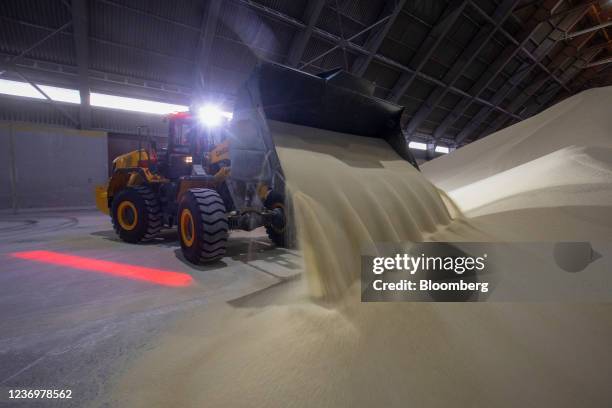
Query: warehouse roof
462	68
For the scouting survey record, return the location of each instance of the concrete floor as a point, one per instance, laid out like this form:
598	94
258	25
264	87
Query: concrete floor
69	328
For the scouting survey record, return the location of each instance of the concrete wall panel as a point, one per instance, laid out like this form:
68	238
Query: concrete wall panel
6	200
56	167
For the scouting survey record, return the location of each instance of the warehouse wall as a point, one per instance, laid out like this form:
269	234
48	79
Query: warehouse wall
34	111
46	167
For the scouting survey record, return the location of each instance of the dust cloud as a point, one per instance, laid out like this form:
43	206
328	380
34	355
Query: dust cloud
286	349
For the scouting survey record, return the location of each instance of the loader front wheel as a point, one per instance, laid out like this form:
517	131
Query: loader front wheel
202	225
278	232
136	214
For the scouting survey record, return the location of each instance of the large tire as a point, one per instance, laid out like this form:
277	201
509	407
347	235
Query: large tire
279	235
136	214
202	225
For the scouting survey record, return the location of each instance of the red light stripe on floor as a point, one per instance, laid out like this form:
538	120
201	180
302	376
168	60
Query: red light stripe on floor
152	275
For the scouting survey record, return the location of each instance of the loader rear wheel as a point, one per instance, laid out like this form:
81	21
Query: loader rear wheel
136	214
203	227
278	232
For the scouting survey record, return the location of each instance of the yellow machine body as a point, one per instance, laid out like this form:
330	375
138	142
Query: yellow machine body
120	180
102	198
137	158
131	159
220	153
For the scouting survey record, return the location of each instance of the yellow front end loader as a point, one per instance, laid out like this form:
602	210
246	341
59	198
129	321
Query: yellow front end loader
210	180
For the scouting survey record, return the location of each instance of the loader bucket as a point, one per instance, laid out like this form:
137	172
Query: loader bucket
334	100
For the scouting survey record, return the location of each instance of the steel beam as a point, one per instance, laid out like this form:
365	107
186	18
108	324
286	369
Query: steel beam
301	38
391	8
464	60
148	14
567	22
580	5
607	44
553	90
537	18
569	52
579	65
143	84
594	76
545	101
15	58
107	42
81	43
55	105
603	71
523	48
342	42
202	66
435	36
10	64
602	78
588	30
600	62
177	59
334	39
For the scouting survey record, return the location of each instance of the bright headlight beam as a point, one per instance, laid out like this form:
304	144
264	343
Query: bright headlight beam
211	115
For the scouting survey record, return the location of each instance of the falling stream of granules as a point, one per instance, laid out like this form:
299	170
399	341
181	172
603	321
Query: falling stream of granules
348	192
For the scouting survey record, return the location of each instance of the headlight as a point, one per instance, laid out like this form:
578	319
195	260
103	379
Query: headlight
188	159
212	116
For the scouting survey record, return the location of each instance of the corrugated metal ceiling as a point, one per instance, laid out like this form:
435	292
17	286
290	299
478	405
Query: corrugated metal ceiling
150	48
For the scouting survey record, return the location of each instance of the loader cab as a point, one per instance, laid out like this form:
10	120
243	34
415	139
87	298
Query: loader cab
179	153
192	143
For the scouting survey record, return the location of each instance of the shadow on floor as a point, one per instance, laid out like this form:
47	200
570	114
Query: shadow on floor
204	267
280	293
167	238
249	250
246	249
